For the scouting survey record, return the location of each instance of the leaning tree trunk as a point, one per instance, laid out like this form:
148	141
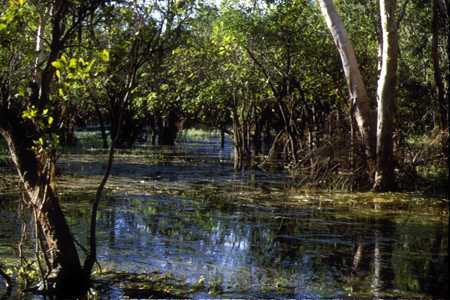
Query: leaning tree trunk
355	83
64	266
384	176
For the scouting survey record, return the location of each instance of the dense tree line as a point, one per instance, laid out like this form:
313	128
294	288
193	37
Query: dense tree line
326	87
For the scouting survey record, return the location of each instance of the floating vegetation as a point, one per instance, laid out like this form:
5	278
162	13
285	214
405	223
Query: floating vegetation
139	286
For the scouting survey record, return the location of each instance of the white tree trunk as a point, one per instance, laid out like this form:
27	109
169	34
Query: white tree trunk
355	82
384	177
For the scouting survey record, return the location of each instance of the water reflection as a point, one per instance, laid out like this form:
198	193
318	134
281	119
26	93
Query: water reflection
266	252
242	232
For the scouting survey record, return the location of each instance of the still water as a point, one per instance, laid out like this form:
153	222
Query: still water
251	234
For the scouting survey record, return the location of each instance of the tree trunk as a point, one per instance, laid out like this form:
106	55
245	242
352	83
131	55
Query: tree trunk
168	130
237	141
129	129
222	138
102	126
274	157
437	22
63	257
67	135
384	176
167	135
379	144
267	139
238	153
64	264
355	83
256	138
153	126
446	4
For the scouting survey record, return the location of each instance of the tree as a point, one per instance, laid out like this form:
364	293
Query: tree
439	23
357	88
379	146
384	176
32	114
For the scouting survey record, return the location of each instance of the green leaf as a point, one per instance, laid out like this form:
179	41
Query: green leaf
21	91
72	63
50	120
57	64
104	55
30	113
89	66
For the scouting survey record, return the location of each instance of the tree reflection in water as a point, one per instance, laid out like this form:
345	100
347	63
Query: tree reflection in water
261	251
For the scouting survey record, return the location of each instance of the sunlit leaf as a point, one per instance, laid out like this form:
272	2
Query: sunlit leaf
104	55
57	64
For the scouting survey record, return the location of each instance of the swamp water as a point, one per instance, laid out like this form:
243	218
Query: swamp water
186	217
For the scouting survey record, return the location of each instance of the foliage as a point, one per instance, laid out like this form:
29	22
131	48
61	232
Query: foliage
265	73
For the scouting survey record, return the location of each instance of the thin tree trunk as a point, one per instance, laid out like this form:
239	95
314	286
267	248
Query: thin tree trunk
102	126
238	152
153	126
38	48
352	147
222	138
256	140
446	5
92	256
439	84
276	149
311	148
384	177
